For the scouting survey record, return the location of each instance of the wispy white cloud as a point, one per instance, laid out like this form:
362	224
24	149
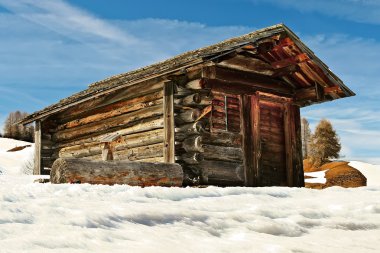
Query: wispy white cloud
67	20
50	49
364	11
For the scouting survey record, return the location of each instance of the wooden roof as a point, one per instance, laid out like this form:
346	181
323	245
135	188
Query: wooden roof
289	60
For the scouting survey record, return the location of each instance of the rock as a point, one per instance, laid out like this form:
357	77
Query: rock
345	176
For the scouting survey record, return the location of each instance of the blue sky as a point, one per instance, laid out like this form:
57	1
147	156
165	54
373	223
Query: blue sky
50	49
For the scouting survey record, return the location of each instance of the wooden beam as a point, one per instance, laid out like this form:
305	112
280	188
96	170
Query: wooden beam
169	148
290	61
315	94
244	78
37	149
333	89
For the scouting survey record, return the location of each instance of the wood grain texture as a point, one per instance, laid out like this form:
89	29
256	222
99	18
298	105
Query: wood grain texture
37	169
71	170
169	127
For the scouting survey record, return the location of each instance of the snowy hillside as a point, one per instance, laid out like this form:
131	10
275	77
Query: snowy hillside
81	218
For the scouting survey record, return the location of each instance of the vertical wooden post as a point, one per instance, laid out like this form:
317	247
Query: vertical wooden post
247	145
255	125
298	175
169	156
37	149
107	151
250	115
289	136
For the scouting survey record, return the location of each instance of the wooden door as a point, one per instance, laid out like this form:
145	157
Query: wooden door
265	148
272	164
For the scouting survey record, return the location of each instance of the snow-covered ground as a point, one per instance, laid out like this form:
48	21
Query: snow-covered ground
14	163
93	218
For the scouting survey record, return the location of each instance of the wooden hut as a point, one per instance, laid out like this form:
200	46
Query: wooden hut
228	113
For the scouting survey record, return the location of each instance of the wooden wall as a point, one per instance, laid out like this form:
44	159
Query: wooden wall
230	131
203	119
134	116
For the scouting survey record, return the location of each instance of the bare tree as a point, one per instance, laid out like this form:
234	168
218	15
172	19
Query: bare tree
305	136
324	144
17	131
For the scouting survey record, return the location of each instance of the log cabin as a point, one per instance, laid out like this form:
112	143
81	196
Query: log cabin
228	113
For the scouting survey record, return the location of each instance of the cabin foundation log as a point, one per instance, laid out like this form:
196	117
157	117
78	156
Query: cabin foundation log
116	172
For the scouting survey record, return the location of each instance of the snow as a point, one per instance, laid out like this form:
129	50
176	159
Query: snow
94	218
317	177
14	162
371	172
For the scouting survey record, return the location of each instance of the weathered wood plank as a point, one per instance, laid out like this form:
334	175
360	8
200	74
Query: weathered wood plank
256	147
169	127
37	148
289	135
116	110
90	106
109	124
138	153
150	123
214	152
237	77
116	172
226	139
222	172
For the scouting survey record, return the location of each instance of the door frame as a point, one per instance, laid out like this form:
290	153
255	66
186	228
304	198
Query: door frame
250	127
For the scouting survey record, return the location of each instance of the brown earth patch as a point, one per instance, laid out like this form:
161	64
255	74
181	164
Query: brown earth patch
18	148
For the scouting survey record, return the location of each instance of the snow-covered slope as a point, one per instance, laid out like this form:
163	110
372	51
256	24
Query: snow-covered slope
13	163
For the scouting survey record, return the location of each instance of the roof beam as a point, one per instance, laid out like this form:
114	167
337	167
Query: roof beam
290	61
259	81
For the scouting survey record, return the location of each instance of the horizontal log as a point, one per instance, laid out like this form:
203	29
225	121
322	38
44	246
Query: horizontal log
80	151
196	84
187	116
108	124
141	139
159	159
116	172
222	173
213	152
237	77
195	99
222	139
138	153
193	144
249	64
191	157
87	108
147	124
116	110
182	92
190	129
